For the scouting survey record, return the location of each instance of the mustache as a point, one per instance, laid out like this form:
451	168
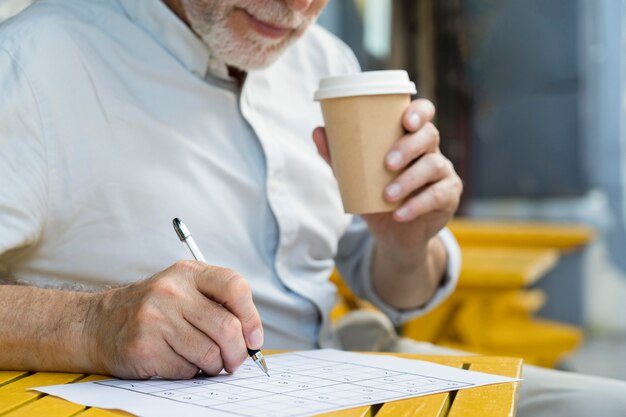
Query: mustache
277	15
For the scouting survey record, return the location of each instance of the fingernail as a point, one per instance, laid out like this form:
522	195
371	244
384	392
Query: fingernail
402	213
393	190
255	339
414	119
394	159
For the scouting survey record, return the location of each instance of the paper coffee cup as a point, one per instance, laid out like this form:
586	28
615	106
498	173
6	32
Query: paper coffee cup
363	118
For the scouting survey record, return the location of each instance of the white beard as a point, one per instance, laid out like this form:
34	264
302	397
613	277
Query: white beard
254	51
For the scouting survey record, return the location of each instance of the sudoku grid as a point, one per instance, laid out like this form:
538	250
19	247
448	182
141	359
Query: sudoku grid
298	386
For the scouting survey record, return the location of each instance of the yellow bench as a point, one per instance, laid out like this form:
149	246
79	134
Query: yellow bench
491	311
489	401
504	267
563	237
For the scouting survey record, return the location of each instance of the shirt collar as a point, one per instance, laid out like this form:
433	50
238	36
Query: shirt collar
174	35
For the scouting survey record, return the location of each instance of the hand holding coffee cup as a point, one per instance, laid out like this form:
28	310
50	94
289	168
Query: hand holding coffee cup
384	148
363	117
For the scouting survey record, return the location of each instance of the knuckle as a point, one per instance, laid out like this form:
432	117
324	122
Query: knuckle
437	194
438	162
252	320
450	167
188	372
458	185
427	104
230	328
213	369
168	287
409	177
238	356
148	314
432	131
237	286
431	108
210	356
187	266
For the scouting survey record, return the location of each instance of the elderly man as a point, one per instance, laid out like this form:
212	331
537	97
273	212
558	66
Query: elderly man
116	116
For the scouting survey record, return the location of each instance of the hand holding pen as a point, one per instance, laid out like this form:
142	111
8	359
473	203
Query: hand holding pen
185	236
188	317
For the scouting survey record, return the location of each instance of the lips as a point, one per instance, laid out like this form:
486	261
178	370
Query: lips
267	29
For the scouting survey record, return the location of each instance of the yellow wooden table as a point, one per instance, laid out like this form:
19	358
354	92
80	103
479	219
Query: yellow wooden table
489	401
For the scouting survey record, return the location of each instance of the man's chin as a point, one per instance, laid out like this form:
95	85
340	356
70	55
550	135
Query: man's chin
248	58
252	63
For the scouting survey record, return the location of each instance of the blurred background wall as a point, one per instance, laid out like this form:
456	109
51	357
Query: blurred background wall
530	101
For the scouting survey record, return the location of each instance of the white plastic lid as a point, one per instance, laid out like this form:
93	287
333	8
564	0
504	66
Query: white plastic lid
365	84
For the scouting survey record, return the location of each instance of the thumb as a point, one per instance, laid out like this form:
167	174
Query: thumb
319	137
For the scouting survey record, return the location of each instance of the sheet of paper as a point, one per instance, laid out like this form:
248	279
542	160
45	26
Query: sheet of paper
300	384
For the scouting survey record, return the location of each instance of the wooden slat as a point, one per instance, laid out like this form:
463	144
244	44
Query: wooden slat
504	267
93	377
436	405
351	412
8	376
491	400
97	412
52	406
16	393
549	235
46	406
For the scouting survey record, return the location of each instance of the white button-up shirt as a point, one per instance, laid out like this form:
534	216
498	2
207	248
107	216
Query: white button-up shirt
111	125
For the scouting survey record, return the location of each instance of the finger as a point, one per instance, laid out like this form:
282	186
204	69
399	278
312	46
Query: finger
221	327
160	359
412	146
440	196
197	348
231	290
319	138
430	168
176	367
418	113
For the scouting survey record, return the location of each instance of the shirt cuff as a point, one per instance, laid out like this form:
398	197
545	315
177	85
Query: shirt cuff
446	287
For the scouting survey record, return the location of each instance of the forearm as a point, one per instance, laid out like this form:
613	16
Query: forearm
408	279
42	329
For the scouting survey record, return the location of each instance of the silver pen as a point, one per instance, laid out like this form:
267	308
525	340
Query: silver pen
185	236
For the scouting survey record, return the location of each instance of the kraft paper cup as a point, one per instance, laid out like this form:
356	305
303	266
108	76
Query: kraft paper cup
363	118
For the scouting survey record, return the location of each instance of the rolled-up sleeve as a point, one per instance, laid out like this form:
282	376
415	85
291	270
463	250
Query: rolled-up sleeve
354	259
